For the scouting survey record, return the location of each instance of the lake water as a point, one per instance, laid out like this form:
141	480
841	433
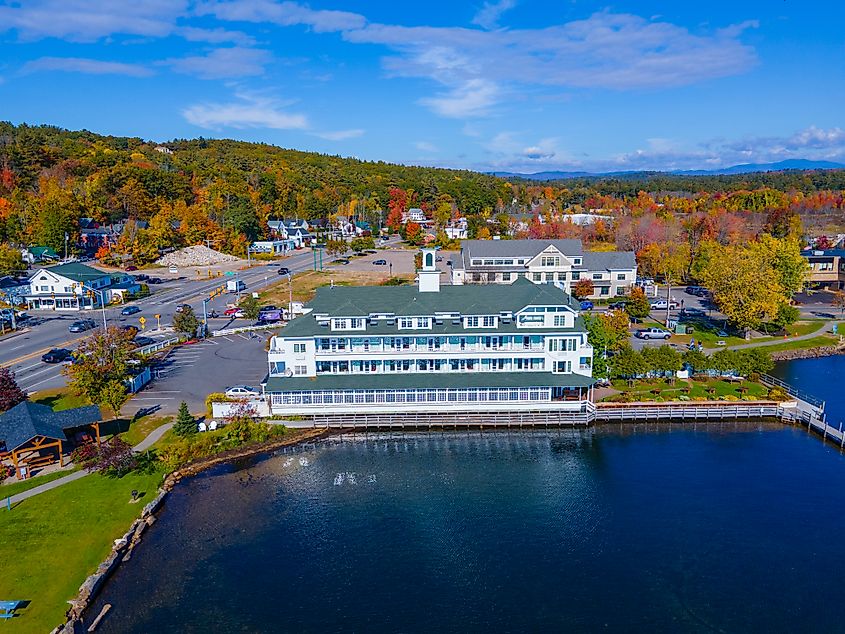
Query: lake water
731	528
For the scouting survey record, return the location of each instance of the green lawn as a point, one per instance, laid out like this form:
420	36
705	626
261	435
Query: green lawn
141	428
12	486
59	399
50	543
661	389
813	342
708	335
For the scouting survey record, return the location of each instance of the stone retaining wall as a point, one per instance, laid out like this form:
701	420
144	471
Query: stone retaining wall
808	353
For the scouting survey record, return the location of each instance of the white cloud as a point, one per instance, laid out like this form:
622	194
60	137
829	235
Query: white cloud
488	16
222	63
249	111
469	98
90	20
425	146
215	36
84	65
340	135
606	50
282	13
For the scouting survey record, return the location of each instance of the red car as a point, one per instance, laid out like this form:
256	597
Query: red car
131	267
233	312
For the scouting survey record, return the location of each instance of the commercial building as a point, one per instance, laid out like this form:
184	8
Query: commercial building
827	268
432	348
75	286
559	262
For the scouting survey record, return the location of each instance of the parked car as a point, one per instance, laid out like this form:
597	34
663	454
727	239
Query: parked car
242	391
439	258
657	304
380	262
140	342
371	251
342	260
130	310
617	306
141	277
132	330
653	333
234	312
693	290
585	305
154	280
283	270
692	312
56	355
181	308
82	325
131	267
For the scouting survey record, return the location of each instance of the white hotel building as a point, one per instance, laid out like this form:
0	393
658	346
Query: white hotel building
559	262
427	348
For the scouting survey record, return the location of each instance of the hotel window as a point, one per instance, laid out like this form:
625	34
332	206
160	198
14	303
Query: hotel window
471	322
299	347
605	290
357	323
339	324
300	369
489	321
576	275
597	276
406	323
620	276
560	321
423	322
825	266
506	277
549	261
576	261
538	277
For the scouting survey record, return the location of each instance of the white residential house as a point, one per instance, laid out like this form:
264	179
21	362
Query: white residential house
457	230
558	262
415	214
432	348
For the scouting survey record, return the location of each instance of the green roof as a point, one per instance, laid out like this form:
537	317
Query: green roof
426	380
469	299
360	301
77	272
40	252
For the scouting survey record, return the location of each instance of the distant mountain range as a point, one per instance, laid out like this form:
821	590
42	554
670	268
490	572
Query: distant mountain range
747	168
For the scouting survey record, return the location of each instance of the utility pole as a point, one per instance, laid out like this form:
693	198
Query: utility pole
66	239
290	289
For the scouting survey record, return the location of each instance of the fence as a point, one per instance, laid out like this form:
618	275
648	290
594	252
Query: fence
234	331
773	381
159	345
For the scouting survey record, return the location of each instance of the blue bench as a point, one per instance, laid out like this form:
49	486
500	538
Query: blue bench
7	609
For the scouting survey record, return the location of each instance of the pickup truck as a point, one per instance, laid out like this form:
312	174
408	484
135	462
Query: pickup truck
657	304
653	333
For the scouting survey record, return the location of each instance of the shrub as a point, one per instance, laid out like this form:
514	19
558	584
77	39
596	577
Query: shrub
215	397
113	458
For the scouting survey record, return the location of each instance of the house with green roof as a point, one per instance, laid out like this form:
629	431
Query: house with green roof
430	348
73	286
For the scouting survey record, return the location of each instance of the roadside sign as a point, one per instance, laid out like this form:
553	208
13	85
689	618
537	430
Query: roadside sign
143	321
173	269
229	273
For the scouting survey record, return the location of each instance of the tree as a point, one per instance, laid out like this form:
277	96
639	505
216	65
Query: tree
397	205
662	360
100	361
186	322
113	458
337	247
10	392
744	284
185	424
362	244
11	261
637	304
627	364
583	288
412	233
114	394
250	307
697	360
839	300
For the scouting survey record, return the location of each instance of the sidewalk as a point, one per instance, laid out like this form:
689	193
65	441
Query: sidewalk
826	327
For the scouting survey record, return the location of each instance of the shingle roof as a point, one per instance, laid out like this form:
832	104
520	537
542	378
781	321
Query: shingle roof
426	380
598	260
27	420
518	248
76	271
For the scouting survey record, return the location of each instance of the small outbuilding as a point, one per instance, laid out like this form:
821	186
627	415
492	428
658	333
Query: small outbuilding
33	436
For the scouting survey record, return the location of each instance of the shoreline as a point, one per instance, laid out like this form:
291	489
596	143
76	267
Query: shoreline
809	353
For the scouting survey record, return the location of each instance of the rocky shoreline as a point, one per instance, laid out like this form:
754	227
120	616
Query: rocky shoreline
123	547
809	353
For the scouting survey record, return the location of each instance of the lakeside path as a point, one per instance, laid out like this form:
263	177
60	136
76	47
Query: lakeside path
826	327
153	437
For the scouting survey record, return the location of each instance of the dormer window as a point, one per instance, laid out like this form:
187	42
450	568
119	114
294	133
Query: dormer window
576	261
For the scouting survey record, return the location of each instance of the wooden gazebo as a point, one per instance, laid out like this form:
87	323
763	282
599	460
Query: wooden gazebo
33	435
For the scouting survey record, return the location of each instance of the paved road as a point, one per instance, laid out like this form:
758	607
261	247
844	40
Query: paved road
49	329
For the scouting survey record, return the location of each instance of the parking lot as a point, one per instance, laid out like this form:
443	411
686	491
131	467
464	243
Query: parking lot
190	373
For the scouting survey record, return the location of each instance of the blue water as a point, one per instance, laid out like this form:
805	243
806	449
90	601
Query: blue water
734	528
821	378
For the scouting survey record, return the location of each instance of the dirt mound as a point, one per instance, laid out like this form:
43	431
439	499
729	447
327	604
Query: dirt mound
199	255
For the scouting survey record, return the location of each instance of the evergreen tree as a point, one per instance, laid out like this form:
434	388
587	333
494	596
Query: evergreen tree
185	424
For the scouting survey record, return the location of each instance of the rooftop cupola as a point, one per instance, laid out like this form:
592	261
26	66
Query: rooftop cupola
429	276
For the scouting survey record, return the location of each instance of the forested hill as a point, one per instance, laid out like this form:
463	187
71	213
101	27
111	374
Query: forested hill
286	182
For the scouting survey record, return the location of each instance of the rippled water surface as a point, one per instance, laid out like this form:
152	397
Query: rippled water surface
718	528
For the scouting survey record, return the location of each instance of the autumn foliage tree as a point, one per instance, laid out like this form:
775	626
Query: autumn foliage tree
10	392
583	288
101	364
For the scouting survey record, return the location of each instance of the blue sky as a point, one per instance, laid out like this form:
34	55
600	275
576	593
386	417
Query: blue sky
519	85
